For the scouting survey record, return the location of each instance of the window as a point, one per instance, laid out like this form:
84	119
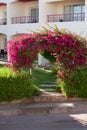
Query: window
74	12
68	9
5	14
34	15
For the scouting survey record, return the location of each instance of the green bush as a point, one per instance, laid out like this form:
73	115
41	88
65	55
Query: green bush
14	85
76	84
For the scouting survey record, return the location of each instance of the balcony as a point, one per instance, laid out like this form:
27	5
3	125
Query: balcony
66	17
24	20
3	21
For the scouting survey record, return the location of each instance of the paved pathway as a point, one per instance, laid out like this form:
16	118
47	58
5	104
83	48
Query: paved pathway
49	111
63	121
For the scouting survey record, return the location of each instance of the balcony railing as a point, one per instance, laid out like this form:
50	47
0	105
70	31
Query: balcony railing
3	21
66	17
24	19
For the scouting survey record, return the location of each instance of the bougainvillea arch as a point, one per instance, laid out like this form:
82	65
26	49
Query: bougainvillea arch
70	49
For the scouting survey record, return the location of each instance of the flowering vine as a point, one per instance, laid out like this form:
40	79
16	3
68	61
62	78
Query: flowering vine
70	49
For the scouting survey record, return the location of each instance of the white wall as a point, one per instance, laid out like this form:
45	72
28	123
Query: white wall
23	28
17	9
3	29
76	27
28	7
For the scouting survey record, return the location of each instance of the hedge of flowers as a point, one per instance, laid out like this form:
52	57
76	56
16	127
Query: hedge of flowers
69	49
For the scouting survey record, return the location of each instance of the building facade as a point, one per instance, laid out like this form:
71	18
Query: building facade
24	16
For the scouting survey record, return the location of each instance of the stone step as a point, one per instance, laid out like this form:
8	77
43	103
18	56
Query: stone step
46	103
39	108
47	85
49	89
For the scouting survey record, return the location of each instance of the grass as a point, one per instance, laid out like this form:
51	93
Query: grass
44	76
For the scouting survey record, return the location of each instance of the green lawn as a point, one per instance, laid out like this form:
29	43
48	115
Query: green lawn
44	77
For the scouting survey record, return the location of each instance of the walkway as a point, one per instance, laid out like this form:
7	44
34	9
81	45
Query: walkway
63	121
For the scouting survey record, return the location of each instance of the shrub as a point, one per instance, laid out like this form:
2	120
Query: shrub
14	85
75	84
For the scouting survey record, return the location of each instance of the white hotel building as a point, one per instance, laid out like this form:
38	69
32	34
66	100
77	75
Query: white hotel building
22	16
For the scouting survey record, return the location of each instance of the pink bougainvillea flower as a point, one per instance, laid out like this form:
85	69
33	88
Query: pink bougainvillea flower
70	49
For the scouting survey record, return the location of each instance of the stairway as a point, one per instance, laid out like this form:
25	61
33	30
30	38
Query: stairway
45	103
48	87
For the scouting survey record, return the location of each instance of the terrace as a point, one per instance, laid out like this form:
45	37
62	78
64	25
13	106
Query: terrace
3	21
66	17
24	19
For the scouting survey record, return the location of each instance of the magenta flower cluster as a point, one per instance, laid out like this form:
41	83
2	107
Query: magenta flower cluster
70	49
22	51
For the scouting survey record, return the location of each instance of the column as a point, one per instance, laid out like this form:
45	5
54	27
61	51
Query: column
42	12
86	10
8	14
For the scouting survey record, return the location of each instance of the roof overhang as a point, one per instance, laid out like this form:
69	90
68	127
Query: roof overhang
27	0
2	4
